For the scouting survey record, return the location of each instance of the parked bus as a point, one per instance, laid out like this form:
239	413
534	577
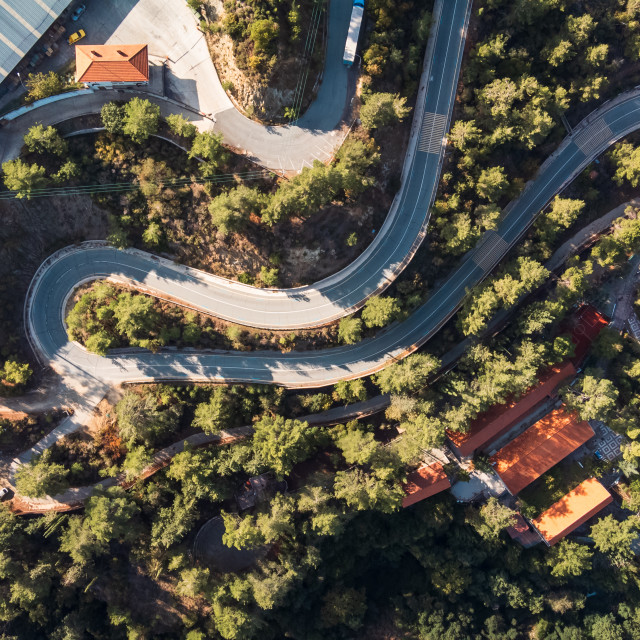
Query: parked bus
354	32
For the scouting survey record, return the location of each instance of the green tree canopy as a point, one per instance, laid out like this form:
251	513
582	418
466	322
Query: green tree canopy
280	443
361	491
181	126
41	139
614	538
15	373
213	415
626	158
490	519
355	159
304	194
407	375
22	177
593	396
350	330
563	213
380	311
569	559
43	85
382	109
344	606
208	146
112	116
264	33
141	419
230	210
41	477
492	183
141	119
350	391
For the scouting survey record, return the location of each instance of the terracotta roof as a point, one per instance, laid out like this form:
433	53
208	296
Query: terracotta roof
491	424
539	448
519	526
572	510
112	63
425	482
585	325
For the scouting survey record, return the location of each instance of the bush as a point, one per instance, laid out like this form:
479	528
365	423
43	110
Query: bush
181	126
263	33
382	109
43	85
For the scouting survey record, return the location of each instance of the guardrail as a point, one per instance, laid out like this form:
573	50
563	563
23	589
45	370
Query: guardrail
20	111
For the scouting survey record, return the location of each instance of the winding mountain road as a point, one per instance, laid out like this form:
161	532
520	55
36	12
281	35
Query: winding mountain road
346	290
46	303
335	296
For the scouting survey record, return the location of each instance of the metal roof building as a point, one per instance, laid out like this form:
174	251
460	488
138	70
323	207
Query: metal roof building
539	448
22	24
572	510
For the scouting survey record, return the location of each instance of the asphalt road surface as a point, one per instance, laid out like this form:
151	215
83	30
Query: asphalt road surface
170	29
45	311
345	291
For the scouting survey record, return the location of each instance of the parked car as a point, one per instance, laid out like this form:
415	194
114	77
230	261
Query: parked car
3	492
78	12
78	35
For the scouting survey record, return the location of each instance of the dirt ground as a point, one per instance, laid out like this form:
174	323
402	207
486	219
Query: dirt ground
21	431
30	231
263	99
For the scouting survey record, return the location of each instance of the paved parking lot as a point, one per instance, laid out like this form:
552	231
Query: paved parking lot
168	27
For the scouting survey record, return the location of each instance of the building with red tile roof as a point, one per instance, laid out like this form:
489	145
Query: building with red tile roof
499	419
572	510
108	64
539	448
424	483
584	327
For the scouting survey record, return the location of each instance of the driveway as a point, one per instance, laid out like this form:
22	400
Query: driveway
170	29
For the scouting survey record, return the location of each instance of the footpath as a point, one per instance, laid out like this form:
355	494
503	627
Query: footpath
74	498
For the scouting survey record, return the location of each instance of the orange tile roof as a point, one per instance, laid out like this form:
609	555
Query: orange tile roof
491	424
572	510
539	448
425	482
112	63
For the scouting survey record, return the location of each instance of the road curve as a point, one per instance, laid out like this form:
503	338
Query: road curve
45	305
347	290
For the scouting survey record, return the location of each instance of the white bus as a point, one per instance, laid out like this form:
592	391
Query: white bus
354	32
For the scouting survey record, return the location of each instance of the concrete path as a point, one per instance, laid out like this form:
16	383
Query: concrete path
626	295
480	486
74	498
587	234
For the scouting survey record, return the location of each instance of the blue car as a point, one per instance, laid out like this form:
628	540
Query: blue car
78	12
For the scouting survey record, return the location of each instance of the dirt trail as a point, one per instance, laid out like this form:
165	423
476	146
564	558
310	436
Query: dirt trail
74	498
